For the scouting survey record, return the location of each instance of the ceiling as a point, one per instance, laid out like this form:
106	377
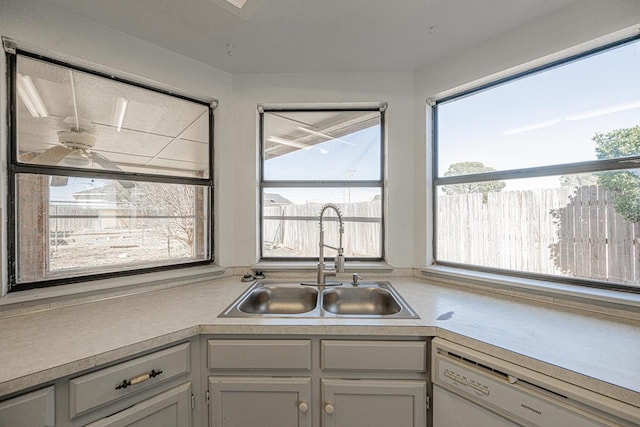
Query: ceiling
151	133
295	36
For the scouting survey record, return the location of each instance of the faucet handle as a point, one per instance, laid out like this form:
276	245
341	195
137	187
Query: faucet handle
356	277
339	263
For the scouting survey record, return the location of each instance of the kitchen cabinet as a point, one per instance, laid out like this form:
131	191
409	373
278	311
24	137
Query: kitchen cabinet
264	402
171	408
150	390
127	379
369	403
154	389
317	382
373	383
264	383
35	409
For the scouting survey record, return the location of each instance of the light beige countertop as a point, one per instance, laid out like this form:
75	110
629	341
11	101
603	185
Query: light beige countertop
594	351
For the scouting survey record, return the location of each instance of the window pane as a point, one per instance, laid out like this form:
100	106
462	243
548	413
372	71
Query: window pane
71	118
314	146
290	221
90	226
585	226
563	115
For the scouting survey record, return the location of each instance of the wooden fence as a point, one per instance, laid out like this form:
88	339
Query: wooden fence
293	229
560	231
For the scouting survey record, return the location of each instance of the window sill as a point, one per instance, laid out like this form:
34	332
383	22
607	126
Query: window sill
548	291
310	266
77	293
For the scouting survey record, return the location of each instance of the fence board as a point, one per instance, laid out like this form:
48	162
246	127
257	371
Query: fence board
561	231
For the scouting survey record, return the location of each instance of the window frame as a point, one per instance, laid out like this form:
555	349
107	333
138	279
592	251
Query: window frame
620	164
264	184
15	167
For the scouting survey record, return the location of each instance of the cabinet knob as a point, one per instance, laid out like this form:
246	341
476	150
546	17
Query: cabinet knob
303	406
328	408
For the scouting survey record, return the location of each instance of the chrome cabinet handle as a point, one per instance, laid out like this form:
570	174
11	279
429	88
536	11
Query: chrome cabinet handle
139	379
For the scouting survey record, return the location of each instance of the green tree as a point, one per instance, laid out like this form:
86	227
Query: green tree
579	180
466	168
624	186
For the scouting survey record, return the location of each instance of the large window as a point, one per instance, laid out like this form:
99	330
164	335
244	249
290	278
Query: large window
538	175
106	177
310	158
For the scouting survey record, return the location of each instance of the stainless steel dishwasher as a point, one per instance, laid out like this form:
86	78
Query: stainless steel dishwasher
475	389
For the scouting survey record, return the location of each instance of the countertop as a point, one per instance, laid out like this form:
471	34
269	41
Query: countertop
594	351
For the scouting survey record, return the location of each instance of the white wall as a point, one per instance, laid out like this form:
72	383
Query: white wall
396	89
566	32
45	27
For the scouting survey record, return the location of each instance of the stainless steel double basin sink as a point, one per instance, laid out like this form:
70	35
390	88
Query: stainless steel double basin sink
278	299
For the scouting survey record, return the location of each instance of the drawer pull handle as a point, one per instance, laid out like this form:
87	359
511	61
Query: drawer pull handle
139	379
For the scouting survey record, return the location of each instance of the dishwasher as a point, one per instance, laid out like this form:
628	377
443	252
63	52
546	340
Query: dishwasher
472	389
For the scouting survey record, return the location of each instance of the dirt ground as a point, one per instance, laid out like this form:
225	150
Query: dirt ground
82	249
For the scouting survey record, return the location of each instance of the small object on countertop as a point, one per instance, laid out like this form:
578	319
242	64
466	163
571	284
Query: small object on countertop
258	275
355	277
247	278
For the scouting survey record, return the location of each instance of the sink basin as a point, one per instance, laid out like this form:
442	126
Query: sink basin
271	298
361	301
279	300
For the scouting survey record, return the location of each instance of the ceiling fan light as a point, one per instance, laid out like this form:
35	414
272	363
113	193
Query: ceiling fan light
288	142
30	97
237	3
121	109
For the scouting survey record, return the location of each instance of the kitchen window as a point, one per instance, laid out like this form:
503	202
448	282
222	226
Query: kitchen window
106	177
538	175
313	157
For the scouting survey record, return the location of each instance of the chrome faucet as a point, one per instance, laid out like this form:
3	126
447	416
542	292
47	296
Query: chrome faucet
339	260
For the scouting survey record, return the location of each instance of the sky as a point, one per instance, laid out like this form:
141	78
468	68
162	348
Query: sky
546	118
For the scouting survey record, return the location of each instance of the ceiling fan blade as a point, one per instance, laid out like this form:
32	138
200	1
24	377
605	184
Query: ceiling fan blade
109	165
59	181
51	156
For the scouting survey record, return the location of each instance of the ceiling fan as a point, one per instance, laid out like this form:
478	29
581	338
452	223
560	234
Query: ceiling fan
75	149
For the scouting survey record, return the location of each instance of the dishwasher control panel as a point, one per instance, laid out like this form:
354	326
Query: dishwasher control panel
477	386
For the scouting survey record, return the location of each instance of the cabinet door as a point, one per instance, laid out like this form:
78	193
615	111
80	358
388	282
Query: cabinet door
169	409
259	402
371	403
35	409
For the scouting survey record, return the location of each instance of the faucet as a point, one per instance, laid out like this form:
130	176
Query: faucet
339	260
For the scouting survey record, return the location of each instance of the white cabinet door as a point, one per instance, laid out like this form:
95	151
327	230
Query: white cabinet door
35	409
169	409
259	402
374	403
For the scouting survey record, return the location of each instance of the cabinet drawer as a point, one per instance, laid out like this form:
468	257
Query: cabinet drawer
32	409
171	408
374	355
104	386
260	354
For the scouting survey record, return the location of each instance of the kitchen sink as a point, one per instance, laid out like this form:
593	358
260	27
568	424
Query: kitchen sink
360	301
279	300
266	298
